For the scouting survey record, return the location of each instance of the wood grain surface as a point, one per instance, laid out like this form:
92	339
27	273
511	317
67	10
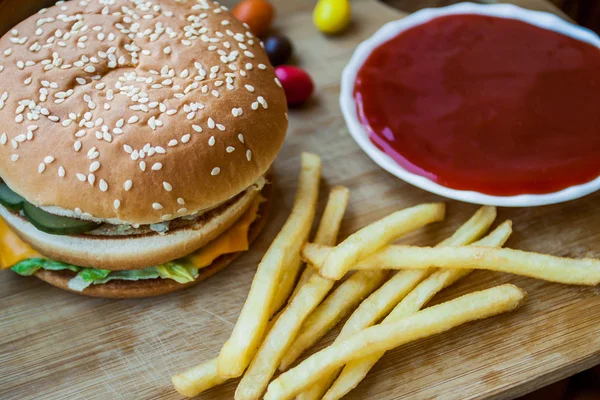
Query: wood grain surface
56	345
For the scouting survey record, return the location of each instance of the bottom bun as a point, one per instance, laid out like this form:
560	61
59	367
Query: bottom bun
122	289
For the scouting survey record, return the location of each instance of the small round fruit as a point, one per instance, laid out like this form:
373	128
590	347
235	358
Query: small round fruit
332	16
297	84
258	14
278	48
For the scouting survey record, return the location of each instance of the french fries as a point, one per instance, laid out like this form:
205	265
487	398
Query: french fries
328	229
250	326
383	337
355	371
383	300
259	346
371	238
336	306
198	379
289	321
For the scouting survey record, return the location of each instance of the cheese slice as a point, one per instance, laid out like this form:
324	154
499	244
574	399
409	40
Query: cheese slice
12	248
235	239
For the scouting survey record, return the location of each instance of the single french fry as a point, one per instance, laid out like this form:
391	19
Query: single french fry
474	228
331	221
371	238
378	338
198	379
327	233
287	283
336	306
383	300
287	323
355	371
249	329
583	271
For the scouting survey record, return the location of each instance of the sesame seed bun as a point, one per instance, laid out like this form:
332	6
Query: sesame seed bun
119	289
134	251
136	115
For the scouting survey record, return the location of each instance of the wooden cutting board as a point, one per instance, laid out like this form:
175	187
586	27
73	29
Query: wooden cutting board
56	345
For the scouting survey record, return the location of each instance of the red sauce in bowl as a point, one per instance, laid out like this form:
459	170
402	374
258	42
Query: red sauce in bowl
487	104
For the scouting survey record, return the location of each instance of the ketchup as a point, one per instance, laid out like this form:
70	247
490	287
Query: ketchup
487	104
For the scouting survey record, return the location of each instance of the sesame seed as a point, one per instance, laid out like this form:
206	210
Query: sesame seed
241	137
116	204
81	177
103	185
262	66
95	166
167	186
185	138
262	101
211	123
250	88
230	149
48	159
128	185
61	171
172	143
249	155
211	141
143	165
197	128
215	171
14	157
157	206
156	166
278	82
220	127
91	178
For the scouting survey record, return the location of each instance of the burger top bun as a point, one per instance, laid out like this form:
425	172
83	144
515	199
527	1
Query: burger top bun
136	111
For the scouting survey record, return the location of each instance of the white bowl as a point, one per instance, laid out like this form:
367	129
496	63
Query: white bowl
388	31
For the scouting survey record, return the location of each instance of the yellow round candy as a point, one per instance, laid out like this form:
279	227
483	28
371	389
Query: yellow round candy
332	16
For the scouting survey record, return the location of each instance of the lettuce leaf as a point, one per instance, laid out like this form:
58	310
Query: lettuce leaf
179	271
31	266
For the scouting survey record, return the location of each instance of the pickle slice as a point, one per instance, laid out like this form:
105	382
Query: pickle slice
56	224
10	199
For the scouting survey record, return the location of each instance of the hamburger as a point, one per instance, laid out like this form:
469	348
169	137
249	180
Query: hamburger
136	144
